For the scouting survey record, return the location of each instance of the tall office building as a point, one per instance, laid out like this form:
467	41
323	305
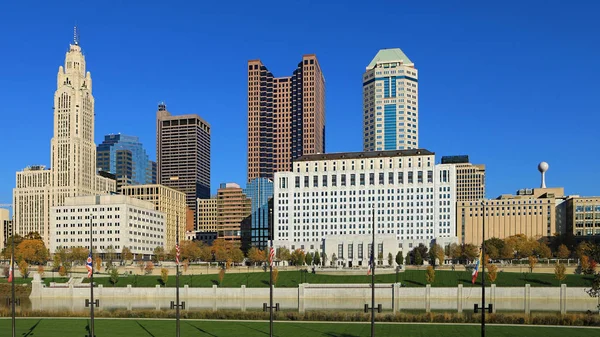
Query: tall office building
207	215
5	227
390	103
125	157
233	208
470	178
73	152
260	191
183	155
286	116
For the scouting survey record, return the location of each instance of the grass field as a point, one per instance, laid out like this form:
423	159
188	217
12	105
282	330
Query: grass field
49	327
409	278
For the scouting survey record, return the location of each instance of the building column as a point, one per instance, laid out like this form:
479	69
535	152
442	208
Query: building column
428	298
527	299
459	302
563	299
300	298
243	297
493	299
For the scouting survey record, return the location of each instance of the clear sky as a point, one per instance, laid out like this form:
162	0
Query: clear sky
509	83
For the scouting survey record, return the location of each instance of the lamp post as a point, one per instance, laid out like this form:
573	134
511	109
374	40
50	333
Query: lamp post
483	273
91	301
12	286
373	277
177	305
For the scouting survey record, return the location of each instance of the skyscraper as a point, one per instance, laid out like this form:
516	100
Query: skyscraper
233	209
286	116
125	157
390	103
183	154
470	178
73	154
260	191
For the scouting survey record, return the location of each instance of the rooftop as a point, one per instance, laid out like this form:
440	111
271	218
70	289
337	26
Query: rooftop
365	155
389	55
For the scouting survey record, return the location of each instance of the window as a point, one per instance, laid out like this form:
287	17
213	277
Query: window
400	177
333	180
353	179
420	177
371	178
410	177
343	183
350	252
324	181
362	179
340	251
381	178
360	251
391	178
315	181
305	181
429	176
297	182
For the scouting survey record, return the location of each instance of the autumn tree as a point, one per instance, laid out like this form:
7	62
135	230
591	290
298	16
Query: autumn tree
32	250
454	251
110	254
507	252
275	275
283	254
563	252
187	250
126	254
317	258
583	249
205	253
40	271
430	274
256	255
492	273
98	263
159	253
436	252
24	268
298	257
543	251
493	247
62	271
78	255
149	267
560	272
532	261
221	275
469	252
164	276
186	265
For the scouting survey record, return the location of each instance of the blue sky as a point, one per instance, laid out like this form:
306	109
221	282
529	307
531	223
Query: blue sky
509	83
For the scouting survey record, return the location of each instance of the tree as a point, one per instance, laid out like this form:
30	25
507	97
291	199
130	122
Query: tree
436	252
334	259
40	271
543	251
24	269
221	275
317	258
205	253
283	254
324	256
62	271
164	276
298	257
149	267
56	262
390	259
399	258
114	275
418	259
186	265
159	253
560	272
455	251
583	249
77	255
309	258
492	273
494	246
98	264
255	255
236	255
110	254
126	254
33	251
507	252
430	274
584	263
469	252
275	275
563	252
532	261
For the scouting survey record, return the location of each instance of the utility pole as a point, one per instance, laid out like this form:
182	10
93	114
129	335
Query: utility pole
90	263
177	305
12	299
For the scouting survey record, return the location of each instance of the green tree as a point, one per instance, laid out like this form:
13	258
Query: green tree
390	259
159	253
430	274
317	258
110	254
283	254
309	258
126	254
418	258
164	276
399	258
114	276
493	247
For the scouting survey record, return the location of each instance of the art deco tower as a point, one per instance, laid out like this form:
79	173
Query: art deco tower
73	153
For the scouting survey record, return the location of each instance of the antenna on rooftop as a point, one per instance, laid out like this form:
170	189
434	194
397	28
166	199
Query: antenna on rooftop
76	35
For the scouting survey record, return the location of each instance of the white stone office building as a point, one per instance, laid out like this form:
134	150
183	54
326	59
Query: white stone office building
73	153
390	102
331	198
118	221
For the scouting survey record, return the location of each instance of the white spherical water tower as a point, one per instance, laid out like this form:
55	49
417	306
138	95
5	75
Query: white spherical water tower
543	167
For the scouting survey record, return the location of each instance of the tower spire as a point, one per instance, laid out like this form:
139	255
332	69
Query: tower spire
76	35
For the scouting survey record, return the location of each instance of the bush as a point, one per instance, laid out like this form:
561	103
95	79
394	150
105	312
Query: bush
164	276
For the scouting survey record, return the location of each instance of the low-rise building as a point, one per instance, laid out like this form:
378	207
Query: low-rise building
117	221
583	216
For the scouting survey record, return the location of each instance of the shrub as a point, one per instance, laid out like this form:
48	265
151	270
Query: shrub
275	275
221	275
492	273
24	269
114	276
430	274
149	267
164	276
40	270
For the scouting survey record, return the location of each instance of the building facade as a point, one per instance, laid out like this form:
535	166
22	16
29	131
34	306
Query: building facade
583	216
470	178
233	209
5	227
117	221
183	154
286	116
531	212
390	102
207	214
402	192
125	157
166	200
73	153
259	191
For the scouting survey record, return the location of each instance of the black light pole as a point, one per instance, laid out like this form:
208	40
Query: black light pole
12	266
271	275
483	274
177	305
92	304
373	278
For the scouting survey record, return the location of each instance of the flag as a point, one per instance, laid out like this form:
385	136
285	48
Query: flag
476	270
177	253
10	271
271	255
88	264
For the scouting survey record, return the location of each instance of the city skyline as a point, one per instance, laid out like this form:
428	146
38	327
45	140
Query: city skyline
482	125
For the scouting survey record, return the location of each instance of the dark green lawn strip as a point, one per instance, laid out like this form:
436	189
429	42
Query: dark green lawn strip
49	327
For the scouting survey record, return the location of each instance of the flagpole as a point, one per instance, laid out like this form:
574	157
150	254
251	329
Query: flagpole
91	282
271	277
12	271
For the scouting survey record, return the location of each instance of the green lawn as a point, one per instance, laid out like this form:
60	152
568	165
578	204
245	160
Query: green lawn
410	278
50	327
